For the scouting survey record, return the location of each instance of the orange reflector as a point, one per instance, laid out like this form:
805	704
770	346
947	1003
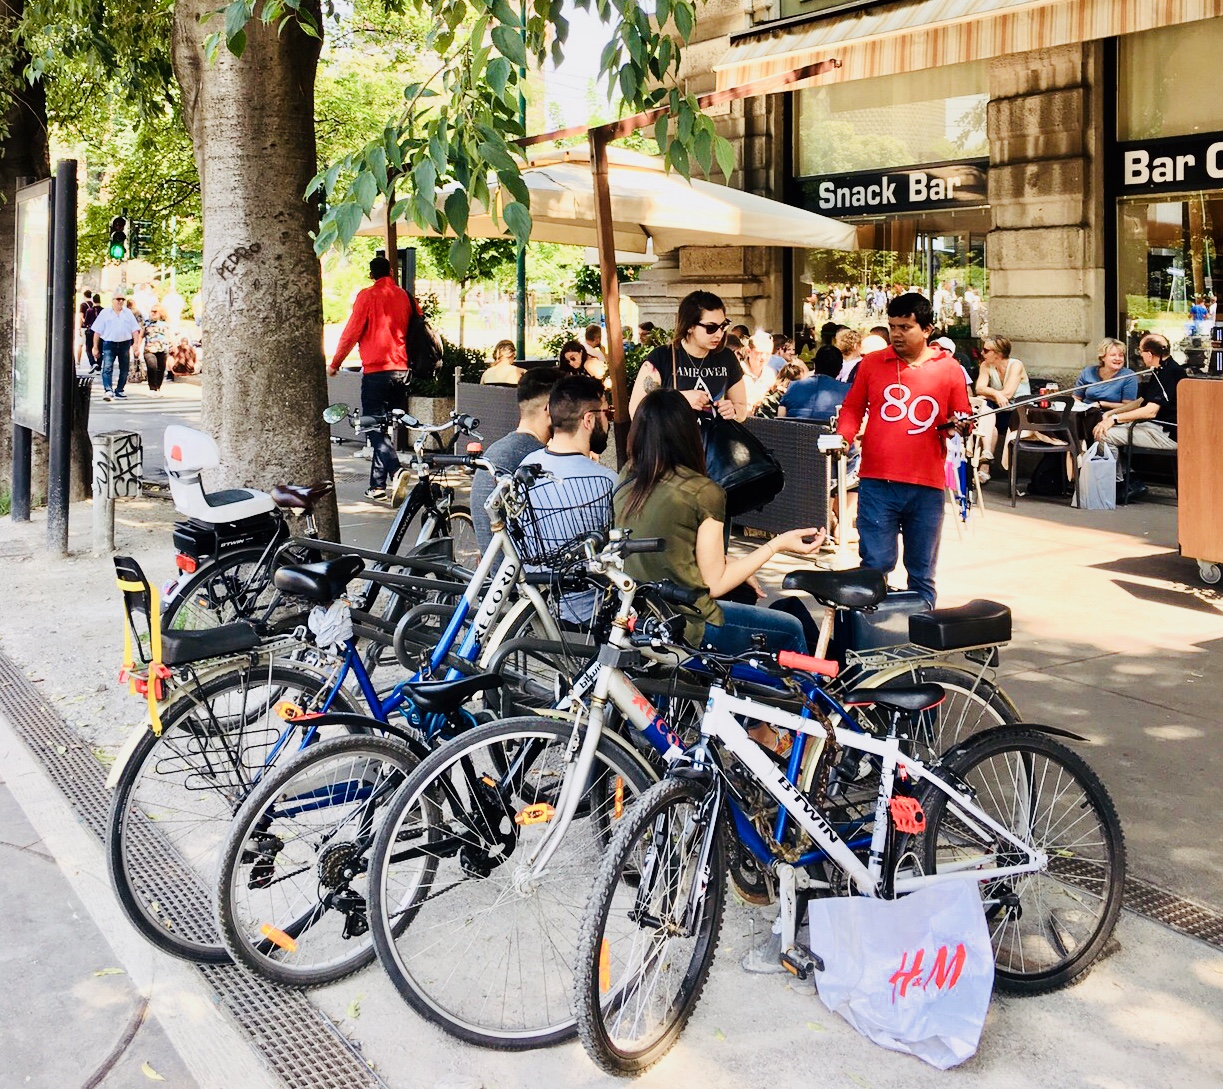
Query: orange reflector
186	564
176	453
488	781
289	712
619	810
540	813
604	967
278	937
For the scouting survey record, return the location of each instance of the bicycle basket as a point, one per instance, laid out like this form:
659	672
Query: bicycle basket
557	513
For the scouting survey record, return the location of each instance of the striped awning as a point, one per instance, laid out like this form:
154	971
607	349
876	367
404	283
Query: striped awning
911	37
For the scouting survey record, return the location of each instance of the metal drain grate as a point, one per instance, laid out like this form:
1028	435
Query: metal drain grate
1176	913
297	1041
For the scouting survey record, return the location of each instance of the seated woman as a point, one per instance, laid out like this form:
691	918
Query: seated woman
1000	381
1114	385
572	358
184	358
664	492
502	371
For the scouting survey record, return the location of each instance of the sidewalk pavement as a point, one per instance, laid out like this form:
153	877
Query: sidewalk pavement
1114	639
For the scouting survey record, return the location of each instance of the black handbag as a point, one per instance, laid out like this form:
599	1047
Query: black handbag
745	468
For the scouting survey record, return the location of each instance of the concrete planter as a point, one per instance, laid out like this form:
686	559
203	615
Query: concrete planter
431	410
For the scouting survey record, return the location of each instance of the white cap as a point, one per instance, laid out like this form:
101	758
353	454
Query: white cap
946	342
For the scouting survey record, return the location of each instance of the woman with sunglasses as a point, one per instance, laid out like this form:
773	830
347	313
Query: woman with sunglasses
572	358
696	362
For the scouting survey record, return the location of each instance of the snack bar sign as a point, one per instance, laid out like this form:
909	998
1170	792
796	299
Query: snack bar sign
910	189
1182	162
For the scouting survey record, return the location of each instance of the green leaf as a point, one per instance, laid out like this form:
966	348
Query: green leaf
683	126
509	45
236	43
518	219
725	154
702	147
661	137
460	255
326	238
364	192
512	181
399	208
683	19
504	13
348	218
678	155
497	155
424	178
498	75
628	83
457	211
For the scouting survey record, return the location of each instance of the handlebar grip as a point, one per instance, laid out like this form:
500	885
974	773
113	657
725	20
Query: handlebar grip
791	659
467	460
529	474
645	544
464	422
676	594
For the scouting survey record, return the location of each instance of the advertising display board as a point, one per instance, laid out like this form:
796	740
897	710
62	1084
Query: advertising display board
32	307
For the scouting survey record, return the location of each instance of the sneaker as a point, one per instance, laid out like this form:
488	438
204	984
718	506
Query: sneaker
121	395
106	395
375	493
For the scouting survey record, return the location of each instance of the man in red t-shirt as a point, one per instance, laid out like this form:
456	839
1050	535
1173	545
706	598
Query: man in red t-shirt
906	391
379	324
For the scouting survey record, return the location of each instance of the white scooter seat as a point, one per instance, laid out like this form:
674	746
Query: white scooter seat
188	452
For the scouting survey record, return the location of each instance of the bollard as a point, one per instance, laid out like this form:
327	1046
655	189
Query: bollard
117	469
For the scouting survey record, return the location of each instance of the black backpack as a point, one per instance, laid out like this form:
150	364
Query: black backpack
424	345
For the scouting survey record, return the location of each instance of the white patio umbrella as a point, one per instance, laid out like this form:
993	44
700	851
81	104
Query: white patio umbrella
647	205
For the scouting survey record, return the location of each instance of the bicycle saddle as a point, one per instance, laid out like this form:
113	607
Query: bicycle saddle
443	697
910	697
977	624
301	496
181	647
859	588
320	582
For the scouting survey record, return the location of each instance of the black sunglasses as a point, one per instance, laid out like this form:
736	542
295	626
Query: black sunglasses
712	327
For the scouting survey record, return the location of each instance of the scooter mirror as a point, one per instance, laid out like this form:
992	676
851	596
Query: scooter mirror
334	414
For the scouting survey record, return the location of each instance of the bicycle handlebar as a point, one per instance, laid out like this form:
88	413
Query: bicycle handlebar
807	663
644	544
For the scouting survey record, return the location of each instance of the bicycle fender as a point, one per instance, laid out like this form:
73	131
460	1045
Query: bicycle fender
951	755
124	755
373	726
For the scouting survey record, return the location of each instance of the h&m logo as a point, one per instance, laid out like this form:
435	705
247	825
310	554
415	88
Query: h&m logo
944	973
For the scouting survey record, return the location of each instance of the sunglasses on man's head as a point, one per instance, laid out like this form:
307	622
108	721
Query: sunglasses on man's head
712	327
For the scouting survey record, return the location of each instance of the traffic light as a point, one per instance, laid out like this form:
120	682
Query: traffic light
142	238
118	238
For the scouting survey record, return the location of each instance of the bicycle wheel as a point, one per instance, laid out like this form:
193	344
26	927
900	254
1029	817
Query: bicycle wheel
234	586
291	899
651	928
178	792
472	941
1047	927
462	532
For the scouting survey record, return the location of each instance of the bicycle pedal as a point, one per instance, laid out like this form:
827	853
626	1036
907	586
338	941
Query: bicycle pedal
799	961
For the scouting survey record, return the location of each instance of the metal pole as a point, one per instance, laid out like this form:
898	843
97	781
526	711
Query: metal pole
522	249
611	290
63	281
20	499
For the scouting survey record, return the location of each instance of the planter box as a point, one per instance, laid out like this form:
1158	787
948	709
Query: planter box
431	410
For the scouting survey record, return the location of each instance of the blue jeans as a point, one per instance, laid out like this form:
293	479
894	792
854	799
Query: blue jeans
888	511
740	622
381	392
112	350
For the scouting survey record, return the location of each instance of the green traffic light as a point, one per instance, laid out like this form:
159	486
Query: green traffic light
117	251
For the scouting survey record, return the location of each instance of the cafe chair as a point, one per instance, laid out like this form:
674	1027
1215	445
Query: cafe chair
1059	429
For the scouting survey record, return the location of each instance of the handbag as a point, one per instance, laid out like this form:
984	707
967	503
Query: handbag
737	460
1097	479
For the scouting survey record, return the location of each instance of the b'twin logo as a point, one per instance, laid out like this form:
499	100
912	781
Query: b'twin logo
944	973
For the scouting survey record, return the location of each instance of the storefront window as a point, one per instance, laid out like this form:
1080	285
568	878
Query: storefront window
1168	264
902	120
1160	89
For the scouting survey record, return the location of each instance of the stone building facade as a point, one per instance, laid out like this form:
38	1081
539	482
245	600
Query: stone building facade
1047	112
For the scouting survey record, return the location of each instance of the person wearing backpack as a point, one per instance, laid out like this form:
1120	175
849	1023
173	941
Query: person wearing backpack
378	326
91	307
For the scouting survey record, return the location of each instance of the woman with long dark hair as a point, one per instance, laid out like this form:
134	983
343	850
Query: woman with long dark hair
665	493
696	362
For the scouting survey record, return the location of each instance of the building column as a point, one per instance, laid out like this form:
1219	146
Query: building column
1045	249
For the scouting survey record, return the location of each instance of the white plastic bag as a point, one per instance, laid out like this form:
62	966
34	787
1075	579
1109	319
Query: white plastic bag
914	974
1097	479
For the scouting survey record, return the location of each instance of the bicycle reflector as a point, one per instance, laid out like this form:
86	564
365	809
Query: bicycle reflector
278	938
540	813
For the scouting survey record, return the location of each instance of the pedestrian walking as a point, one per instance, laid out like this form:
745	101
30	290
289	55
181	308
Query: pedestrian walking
91	307
156	346
906	391
118	331
379	326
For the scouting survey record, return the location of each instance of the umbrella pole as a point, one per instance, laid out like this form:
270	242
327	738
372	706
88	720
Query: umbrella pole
611	290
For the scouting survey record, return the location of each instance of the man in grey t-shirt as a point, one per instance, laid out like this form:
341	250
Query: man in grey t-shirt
534	429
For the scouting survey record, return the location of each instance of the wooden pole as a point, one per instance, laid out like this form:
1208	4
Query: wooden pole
611	289
392	236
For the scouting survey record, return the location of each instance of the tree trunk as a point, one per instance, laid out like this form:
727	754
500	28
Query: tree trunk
23	154
251	120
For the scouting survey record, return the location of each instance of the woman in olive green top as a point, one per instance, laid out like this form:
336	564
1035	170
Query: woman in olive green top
666	493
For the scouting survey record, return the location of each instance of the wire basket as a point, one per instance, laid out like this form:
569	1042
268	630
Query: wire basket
558	513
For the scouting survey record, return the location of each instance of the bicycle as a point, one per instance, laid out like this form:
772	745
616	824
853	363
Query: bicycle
226	580
1011	809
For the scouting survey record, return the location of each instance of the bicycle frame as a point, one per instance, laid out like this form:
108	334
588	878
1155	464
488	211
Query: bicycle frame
720	723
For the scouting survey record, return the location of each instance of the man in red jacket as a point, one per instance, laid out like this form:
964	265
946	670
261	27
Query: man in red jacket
379	324
909	389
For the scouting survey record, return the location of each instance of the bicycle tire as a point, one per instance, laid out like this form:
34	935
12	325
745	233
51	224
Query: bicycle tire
233	586
461	529
638	886
1080	869
315	818
467	944
162	869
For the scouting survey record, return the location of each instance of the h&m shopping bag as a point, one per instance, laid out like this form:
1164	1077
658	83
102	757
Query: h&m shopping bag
914	974
1097	479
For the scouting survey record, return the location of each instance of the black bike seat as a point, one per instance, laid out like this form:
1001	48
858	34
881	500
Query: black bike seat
443	697
181	647
859	588
977	624
301	496
910	697
320	582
